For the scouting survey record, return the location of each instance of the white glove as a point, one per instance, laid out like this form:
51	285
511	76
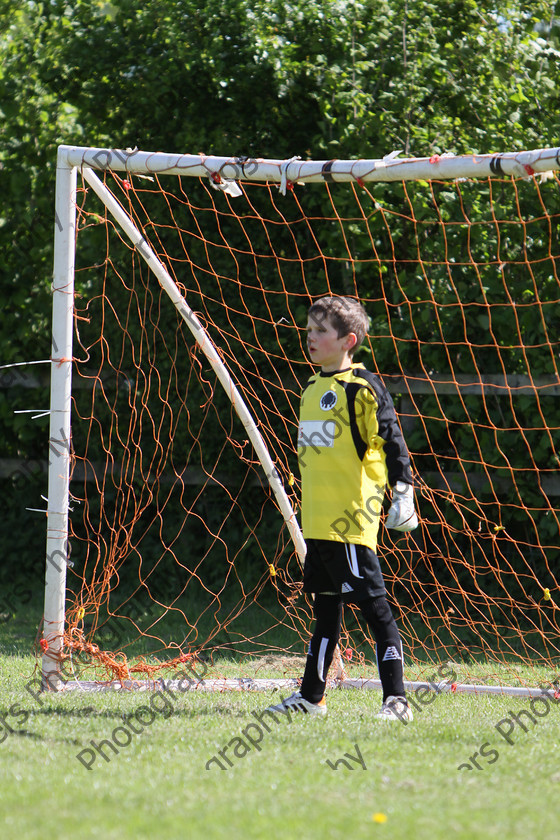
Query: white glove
401	515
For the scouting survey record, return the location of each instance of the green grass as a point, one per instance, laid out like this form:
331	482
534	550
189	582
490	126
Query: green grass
158	784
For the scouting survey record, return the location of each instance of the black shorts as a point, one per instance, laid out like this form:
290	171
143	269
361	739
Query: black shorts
353	571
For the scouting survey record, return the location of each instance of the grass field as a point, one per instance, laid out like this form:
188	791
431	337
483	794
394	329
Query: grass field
397	781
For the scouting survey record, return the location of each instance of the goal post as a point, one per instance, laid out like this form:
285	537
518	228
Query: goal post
304	263
58	550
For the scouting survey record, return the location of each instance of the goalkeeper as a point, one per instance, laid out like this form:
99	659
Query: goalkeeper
350	448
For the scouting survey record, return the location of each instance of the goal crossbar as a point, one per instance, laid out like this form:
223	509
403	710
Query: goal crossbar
389	168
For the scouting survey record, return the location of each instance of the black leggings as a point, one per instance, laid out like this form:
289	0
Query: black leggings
379	618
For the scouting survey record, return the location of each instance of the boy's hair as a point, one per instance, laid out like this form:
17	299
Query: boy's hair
347	315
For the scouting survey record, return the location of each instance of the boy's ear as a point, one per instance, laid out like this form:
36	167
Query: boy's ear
350	341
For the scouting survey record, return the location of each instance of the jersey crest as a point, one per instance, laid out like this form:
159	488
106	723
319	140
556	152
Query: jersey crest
328	400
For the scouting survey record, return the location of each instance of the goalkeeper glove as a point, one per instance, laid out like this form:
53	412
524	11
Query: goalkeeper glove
401	515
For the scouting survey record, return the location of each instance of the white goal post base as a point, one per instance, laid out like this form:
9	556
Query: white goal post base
254	685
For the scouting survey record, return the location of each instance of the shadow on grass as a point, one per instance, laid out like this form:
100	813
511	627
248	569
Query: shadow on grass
36	736
90	712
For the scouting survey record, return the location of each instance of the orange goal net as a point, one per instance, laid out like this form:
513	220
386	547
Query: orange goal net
178	548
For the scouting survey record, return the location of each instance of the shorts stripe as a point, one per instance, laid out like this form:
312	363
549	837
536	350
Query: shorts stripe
353	560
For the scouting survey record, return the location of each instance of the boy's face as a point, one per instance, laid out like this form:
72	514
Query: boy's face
325	347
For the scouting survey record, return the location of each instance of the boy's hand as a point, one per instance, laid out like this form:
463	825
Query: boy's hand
401	515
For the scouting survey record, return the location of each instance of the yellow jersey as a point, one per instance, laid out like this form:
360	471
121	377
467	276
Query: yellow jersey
350	447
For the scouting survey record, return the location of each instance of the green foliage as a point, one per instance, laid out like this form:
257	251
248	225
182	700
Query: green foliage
320	78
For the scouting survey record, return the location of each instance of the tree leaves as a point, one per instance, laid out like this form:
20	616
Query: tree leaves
318	78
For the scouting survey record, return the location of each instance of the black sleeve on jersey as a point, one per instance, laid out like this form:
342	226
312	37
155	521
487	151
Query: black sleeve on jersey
396	452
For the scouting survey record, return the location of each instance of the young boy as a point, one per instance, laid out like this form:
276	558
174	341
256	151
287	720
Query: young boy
349	448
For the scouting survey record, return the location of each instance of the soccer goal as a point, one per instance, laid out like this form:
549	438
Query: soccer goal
181	285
